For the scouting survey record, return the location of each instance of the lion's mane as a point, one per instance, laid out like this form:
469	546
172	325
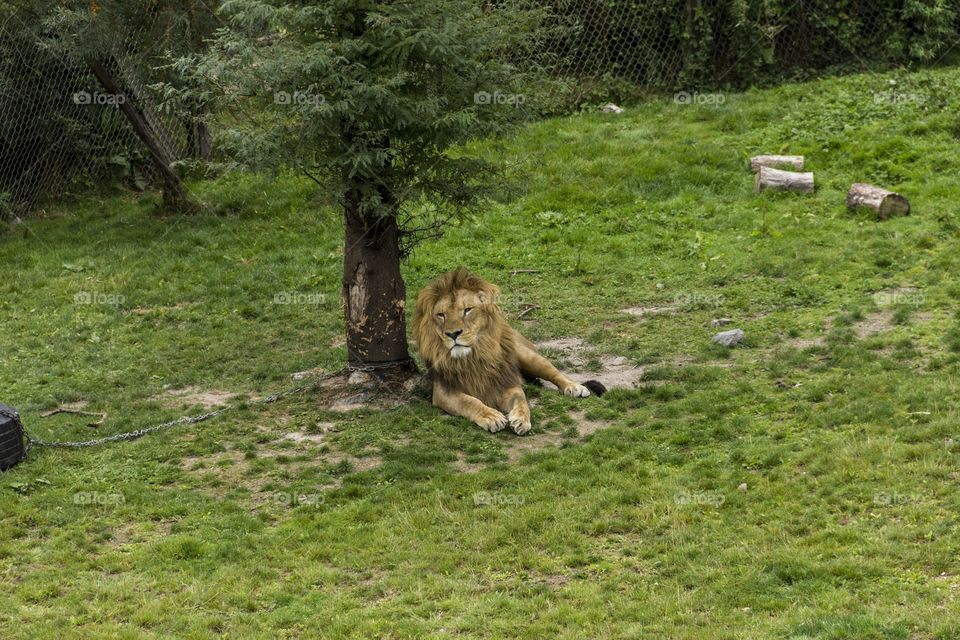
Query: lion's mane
493	366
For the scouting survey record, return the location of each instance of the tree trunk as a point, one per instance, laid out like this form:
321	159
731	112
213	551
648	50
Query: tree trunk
374	293
884	203
776	162
198	136
175	196
768	178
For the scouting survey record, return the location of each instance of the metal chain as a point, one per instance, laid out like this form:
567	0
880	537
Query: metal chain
139	433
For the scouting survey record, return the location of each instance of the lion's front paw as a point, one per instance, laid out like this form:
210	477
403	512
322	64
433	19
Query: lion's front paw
491	420
576	391
519	418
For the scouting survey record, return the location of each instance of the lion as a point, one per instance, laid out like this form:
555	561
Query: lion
477	360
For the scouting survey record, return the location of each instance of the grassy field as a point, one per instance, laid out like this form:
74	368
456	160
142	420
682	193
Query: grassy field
800	485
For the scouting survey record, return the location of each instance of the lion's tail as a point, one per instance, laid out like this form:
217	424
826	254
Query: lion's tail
596	387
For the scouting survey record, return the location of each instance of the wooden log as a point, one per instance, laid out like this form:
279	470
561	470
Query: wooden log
776	162
768	178
884	203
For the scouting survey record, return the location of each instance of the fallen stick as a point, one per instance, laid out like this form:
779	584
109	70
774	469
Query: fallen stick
77	412
530	307
776	179
882	202
776	162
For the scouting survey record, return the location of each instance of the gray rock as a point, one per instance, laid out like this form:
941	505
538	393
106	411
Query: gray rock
729	338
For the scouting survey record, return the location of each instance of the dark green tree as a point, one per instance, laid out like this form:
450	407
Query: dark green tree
374	101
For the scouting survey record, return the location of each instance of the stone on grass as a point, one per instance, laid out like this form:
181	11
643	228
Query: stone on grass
729	338
611	108
359	377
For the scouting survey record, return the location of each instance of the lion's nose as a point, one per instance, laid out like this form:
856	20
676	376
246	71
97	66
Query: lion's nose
453	334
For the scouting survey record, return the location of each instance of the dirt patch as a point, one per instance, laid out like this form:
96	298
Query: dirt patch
138	532
807	343
192	396
461	465
519	446
571	344
301	437
874	323
345	391
587	427
143	311
227	470
616	372
535	441
309	373
642	312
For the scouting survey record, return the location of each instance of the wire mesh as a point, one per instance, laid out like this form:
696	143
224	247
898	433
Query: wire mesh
59	129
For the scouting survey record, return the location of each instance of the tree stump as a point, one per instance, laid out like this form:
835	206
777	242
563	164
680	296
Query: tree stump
882	202
776	162
776	179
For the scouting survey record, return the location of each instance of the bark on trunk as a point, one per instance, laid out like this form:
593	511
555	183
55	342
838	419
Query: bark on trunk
884	203
374	293
768	178
198	136
776	162
174	194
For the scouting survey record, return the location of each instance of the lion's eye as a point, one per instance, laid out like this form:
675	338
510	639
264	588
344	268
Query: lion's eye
467	310
441	316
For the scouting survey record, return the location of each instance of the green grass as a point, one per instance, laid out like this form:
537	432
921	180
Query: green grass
801	485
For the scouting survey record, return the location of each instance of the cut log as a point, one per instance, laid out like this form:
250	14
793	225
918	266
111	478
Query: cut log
884	203
768	178
776	162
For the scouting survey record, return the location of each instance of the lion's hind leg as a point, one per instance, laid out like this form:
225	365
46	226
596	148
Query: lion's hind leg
534	364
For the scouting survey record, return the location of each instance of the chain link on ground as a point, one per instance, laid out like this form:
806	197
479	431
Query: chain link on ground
203	417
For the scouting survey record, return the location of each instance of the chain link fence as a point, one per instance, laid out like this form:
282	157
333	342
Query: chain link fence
60	129
624	48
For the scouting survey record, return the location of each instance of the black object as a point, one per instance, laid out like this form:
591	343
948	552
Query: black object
596	387
12	447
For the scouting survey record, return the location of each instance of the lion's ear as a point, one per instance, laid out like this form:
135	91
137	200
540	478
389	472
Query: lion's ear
489	293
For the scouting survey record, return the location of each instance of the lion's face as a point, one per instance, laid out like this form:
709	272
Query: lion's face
457	318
